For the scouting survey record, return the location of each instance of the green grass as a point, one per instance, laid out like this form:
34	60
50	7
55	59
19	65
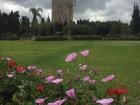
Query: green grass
121	58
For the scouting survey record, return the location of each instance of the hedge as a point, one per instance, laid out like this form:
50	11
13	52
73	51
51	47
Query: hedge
50	38
63	38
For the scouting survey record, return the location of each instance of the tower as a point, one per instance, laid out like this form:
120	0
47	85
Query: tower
62	11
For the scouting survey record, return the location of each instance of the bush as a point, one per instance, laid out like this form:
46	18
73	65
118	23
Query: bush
86	38
9	36
79	37
122	38
51	38
77	29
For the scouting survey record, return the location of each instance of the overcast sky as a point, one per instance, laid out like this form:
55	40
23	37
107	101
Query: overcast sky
102	10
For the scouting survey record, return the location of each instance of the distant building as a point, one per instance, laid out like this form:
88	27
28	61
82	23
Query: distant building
62	11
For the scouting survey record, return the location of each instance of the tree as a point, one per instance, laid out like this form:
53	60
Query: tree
0	23
25	25
48	19
42	27
135	22
125	29
36	13
116	28
42	20
13	22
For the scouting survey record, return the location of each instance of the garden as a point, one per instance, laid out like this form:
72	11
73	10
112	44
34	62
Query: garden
69	73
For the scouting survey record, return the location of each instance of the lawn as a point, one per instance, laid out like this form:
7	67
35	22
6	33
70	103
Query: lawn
121	58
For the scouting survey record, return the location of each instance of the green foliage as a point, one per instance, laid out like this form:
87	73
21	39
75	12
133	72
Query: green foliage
51	38
24	26
9	23
135	22
116	28
77	29
22	87
36	13
109	28
12	27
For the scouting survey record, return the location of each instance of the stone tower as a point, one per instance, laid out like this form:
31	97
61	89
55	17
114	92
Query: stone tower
62	11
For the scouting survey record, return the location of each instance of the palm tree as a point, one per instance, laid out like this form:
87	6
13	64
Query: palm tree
36	13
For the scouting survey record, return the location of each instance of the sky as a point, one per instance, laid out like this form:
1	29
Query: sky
94	10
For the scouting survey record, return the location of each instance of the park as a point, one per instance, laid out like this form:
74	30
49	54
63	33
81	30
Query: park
61	61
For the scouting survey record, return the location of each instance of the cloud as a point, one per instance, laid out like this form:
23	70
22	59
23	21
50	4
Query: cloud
102	10
23	7
93	5
32	3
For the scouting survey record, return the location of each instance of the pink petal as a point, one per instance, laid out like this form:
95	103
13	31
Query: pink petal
92	81
71	57
49	79
105	101
109	78
31	67
71	93
84	53
86	78
57	81
58	102
83	67
40	100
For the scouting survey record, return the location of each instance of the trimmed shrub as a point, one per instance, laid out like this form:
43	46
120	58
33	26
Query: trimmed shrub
50	38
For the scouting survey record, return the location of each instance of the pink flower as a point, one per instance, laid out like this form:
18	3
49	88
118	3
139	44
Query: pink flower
109	78
31	67
57	81
40	101
20	69
58	102
83	67
92	82
84	53
49	79
71	57
105	101
38	71
86	78
71	93
89	80
11	74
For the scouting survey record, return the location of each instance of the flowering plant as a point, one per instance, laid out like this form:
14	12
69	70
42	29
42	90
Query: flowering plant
29	85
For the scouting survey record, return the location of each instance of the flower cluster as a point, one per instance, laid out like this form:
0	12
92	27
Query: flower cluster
116	91
29	84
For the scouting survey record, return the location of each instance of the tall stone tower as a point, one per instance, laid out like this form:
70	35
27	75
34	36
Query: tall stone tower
62	11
